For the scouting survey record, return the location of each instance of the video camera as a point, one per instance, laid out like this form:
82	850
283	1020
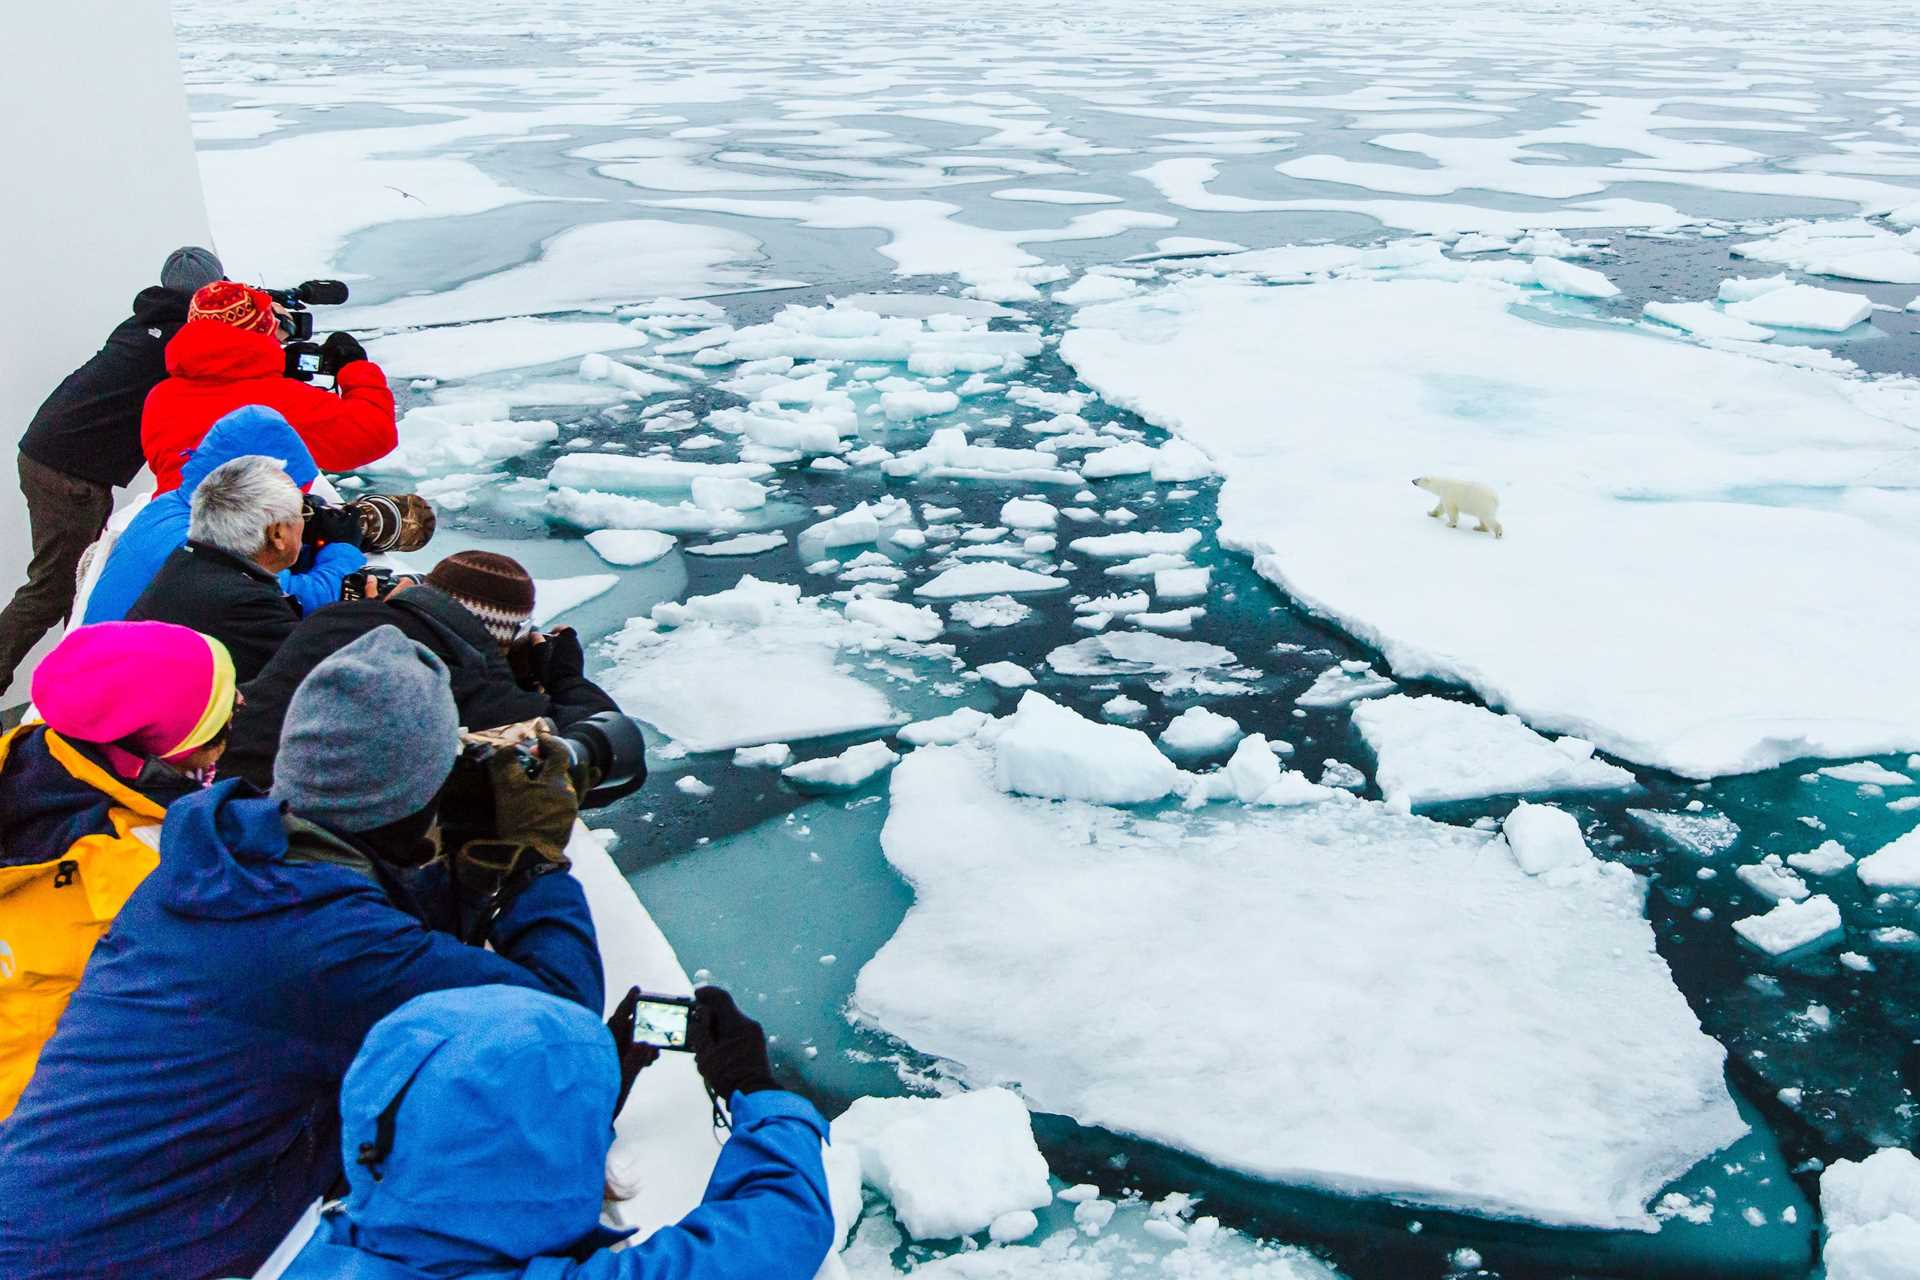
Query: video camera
305	359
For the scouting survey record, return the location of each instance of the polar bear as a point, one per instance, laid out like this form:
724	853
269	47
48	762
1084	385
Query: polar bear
1476	499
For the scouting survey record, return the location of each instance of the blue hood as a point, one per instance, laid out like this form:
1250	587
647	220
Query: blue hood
502	1102
247	430
162	524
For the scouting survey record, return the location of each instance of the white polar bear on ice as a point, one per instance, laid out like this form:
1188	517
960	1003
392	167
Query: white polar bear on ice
1469	496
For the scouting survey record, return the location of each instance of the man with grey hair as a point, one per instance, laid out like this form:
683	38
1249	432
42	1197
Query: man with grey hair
244	528
84	441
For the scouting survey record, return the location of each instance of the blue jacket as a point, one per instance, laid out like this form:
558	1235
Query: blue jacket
501	1102
186	1110
161	525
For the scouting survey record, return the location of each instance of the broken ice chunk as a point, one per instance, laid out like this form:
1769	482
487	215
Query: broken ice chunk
1198	732
1340	684
1702	835
1771	878
950	1166
1823	861
1008	675
1543	838
848	769
1051	751
1895	866
1792	925
771	756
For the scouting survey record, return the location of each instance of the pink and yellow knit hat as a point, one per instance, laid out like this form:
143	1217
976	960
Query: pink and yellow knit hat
140	689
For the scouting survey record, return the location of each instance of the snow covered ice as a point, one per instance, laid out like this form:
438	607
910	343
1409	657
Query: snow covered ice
1433	750
1458	993
1708	695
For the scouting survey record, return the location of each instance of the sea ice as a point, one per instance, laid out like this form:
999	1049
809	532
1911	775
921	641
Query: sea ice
630	546
950	1166
994	611
1181	584
1425	1064
1345	682
467	435
1028	513
1791	925
1434	750
1130	459
848	769
1826	860
1199	732
1702	834
744	544
1850	249
1544	838
751	665
1137	653
1575	282
1770	878
1804	306
554	596
465	351
1871	1209
986	580
1123	546
1895	865
943	731
1680	678
1866	772
1045	749
1704	320
1007	675
773	755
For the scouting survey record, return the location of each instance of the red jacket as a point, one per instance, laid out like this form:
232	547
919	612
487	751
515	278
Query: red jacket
215	368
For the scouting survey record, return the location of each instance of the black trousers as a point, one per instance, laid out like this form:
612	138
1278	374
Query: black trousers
65	514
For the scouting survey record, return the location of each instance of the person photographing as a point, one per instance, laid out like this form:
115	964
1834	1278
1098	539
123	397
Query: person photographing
231	353
185	1112
544	1079
84	442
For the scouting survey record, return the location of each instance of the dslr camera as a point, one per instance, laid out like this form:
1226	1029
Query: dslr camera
606	759
305	359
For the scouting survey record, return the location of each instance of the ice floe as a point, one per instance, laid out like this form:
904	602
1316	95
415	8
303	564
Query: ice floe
1433	750
1679	676
1459	996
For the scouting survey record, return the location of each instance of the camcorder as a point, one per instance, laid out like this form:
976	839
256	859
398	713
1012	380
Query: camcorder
305	359
606	758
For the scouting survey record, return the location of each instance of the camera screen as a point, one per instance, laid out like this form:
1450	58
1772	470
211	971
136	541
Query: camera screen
664	1025
309	361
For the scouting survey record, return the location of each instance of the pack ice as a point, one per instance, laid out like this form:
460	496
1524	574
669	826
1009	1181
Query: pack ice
1411	1014
1689	489
750	665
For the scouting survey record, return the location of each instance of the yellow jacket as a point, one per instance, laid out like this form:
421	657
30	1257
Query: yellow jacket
56	903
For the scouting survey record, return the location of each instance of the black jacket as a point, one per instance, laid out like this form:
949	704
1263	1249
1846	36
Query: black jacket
225	596
485	689
90	426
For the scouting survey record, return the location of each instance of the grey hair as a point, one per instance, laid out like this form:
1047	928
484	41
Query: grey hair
238	500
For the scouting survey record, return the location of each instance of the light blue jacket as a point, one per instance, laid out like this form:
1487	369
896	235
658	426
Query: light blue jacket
161	525
499	1106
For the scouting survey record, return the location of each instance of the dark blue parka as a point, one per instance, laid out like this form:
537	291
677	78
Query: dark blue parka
185	1112
492	1164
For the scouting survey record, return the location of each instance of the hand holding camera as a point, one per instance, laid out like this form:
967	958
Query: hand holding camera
729	1048
339	350
525	772
327	524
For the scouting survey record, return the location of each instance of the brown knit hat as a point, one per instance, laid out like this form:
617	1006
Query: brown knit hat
494	588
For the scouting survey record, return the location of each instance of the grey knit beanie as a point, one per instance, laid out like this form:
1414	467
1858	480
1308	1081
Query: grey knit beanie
189	267
370	734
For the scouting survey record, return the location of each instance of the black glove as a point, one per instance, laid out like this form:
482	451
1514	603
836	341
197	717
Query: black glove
552	658
634	1057
342	349
329	524
729	1048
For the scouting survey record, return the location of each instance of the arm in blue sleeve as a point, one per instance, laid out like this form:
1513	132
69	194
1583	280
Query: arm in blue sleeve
319	584
765	1214
548	931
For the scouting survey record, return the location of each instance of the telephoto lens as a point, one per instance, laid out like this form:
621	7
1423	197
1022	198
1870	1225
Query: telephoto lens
607	755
